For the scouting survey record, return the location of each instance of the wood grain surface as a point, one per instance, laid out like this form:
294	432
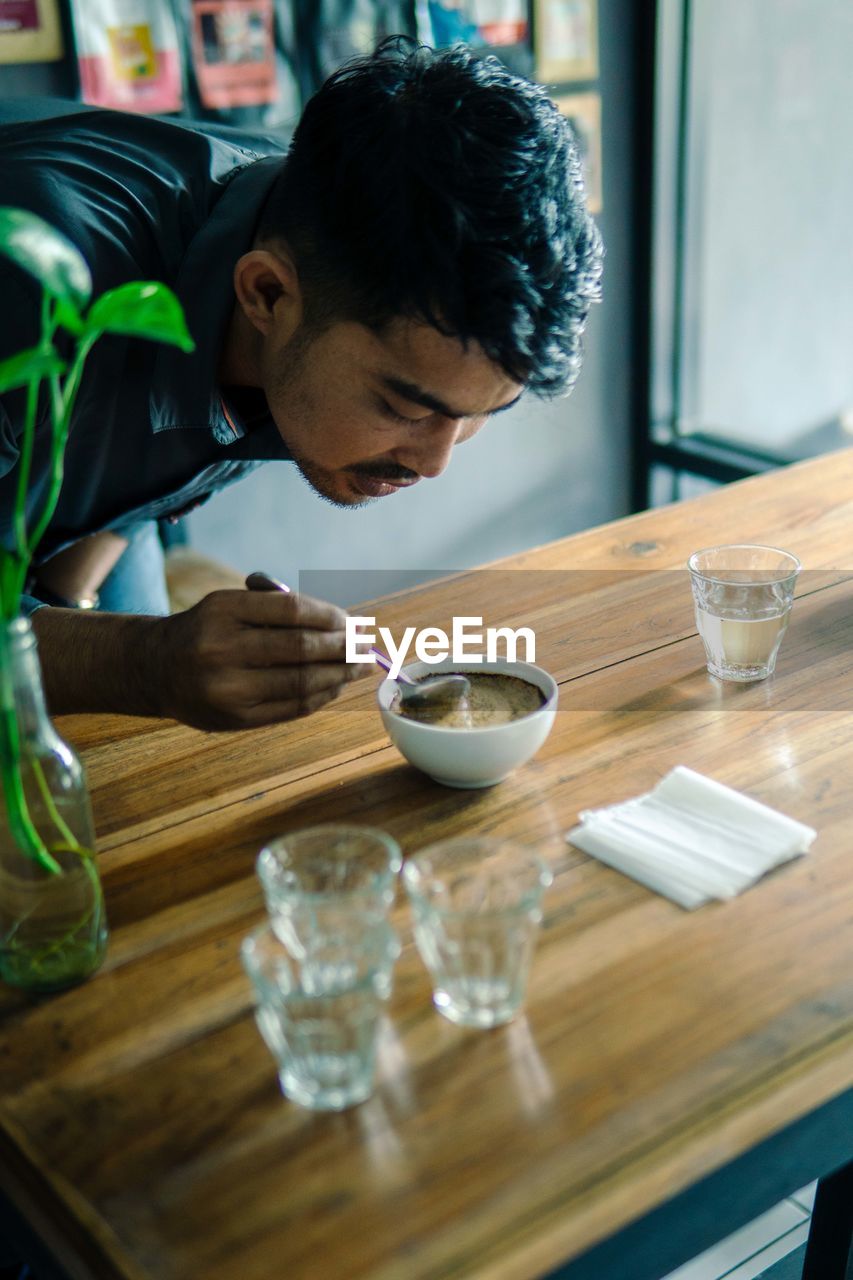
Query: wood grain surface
578	592
141	1127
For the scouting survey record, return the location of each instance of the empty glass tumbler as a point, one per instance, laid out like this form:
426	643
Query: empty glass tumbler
319	1010
743	595
477	908
326	867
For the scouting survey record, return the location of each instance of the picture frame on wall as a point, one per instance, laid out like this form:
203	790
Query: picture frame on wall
565	40
583	111
496	24
233	53
30	31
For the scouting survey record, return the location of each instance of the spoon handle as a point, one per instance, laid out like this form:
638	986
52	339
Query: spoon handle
265	582
385	661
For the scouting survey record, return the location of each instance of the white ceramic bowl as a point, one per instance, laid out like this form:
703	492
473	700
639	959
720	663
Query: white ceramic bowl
470	758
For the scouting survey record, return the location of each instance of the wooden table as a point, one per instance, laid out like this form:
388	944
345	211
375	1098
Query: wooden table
142	1132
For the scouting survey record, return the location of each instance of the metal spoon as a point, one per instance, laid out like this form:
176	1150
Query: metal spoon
439	695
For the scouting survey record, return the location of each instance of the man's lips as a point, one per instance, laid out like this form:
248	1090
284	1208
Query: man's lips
373	487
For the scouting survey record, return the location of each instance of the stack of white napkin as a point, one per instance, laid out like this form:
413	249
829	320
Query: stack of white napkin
691	838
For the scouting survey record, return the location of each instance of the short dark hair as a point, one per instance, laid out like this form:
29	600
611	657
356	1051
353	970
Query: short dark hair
436	184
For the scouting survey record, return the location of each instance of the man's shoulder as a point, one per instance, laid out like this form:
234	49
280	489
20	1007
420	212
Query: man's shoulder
27	124
131	191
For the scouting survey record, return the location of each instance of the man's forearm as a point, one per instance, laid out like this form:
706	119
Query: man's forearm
235	660
101	662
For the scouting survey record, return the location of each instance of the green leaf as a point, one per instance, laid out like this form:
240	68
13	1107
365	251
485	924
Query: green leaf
46	254
68	317
36	362
143	309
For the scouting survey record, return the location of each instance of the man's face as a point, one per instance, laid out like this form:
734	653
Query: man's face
366	414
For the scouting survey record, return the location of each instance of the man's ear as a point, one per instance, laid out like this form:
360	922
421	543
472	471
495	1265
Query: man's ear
266	283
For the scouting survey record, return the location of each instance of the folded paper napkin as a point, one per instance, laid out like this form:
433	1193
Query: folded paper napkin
691	838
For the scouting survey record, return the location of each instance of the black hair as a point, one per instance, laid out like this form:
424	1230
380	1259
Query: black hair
436	184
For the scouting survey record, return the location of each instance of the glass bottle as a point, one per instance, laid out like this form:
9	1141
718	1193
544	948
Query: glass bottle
53	929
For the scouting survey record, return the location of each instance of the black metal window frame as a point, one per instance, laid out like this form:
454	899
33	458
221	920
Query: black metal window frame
662	132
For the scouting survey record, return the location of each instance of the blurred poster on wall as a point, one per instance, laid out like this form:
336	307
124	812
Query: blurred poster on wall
30	31
345	29
233	52
566	40
127	53
499	23
240	65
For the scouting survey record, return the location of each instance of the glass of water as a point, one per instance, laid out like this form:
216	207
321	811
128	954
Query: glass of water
319	1010
743	595
476	903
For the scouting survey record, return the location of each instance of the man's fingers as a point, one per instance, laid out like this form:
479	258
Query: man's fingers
275	609
290	646
280	684
243	658
271	712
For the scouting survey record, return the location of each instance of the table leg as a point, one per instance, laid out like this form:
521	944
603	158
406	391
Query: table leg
829	1254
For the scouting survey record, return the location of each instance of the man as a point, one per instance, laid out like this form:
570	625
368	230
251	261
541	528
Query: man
420	257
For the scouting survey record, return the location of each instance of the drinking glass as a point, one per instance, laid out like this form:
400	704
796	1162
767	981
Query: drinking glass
743	595
477	907
319	1011
324	868
309	929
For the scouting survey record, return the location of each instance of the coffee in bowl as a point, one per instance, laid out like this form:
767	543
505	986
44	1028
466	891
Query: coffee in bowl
468	755
493	699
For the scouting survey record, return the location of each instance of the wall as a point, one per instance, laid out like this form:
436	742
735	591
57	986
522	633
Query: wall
536	473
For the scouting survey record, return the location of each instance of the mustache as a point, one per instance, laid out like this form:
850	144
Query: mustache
390	471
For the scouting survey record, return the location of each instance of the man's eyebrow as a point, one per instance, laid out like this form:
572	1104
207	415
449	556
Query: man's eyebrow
417	395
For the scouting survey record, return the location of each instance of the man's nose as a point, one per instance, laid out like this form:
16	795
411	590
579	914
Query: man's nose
430	453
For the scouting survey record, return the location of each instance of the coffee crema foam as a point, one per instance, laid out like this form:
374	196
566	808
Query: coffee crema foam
494	699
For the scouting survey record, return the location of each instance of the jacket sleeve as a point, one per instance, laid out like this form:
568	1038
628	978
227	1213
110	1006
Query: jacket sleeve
29	605
9	451
19	326
19	329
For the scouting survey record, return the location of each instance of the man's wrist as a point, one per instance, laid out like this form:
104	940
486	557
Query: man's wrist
56	601
103	662
147	669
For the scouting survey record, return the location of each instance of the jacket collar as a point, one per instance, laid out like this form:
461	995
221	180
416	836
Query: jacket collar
184	392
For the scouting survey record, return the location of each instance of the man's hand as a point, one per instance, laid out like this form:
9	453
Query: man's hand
236	660
242	658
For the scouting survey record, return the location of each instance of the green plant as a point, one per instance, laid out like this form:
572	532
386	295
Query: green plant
141	309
